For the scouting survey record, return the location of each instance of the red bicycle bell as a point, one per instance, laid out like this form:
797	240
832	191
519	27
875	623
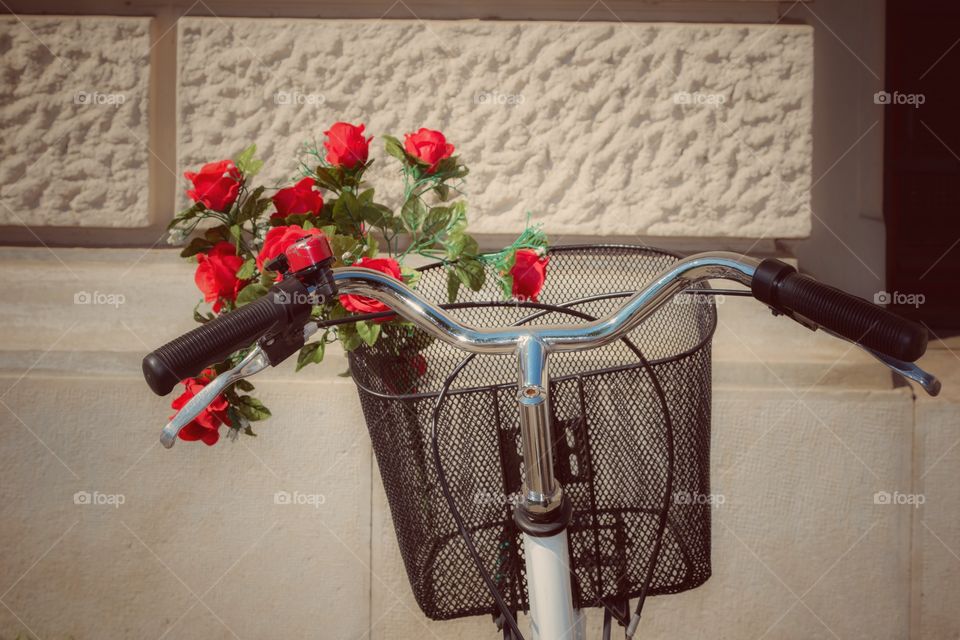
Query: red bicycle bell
308	252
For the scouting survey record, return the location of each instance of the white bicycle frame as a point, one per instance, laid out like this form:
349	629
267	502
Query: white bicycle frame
541	512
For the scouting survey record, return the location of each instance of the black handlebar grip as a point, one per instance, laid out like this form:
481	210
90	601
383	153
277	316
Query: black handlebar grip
186	356
779	285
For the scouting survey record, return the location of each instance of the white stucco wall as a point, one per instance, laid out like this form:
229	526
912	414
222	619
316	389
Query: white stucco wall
600	128
74	121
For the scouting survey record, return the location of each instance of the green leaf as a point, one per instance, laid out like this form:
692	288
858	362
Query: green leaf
341	244
243	385
410	276
249	209
375	216
197	245
189	213
507	284
447	165
346	213
312	352
453	286
217	234
471	273
247	269
348	336
413	213
366	197
246	162
252	409
436	221
373	247
368	331
394	148
251	292
236	231
462	244
328	179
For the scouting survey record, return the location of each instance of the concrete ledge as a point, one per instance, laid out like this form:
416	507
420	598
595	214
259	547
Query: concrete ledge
800	446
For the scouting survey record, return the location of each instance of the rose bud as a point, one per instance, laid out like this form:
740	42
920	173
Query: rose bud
346	146
216	185
529	272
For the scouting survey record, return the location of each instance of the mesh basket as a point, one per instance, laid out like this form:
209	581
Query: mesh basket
611	438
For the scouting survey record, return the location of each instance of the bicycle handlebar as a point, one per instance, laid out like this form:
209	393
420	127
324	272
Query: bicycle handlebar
286	302
567	337
780	286
773	282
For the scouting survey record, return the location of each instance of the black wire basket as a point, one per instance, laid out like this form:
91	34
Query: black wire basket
631	435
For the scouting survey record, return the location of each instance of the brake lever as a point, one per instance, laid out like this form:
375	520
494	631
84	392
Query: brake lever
256	361
929	382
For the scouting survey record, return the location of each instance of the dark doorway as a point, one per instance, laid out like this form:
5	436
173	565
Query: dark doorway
922	161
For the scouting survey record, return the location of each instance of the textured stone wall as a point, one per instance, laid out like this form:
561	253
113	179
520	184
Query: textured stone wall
73	121
596	128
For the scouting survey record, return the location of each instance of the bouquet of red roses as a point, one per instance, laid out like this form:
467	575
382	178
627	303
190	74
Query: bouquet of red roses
235	231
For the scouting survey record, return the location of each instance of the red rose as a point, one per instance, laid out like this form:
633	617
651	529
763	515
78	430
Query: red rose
428	145
216	186
346	146
529	271
206	426
216	274
300	198
278	239
362	304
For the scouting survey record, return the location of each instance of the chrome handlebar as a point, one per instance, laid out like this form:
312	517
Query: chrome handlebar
520	339
566	337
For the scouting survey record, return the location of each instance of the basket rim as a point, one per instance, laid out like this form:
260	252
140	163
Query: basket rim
708	336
